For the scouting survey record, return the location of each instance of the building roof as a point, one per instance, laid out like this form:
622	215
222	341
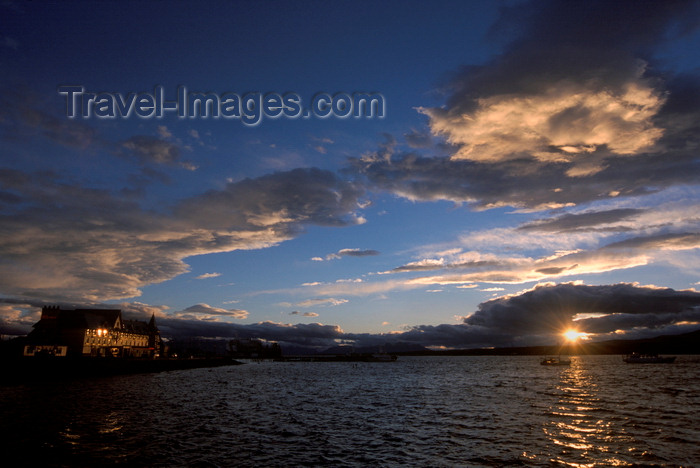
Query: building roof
136	326
98	318
54	320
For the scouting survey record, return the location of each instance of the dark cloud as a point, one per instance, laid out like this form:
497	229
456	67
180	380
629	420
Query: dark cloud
454	336
428	265
152	149
518	183
523	183
551	308
349	253
647	324
312	335
625	24
305	314
553	40
22	116
12	326
317	336
582	221
555	270
357	252
576	109
416	139
281	201
207	310
668	241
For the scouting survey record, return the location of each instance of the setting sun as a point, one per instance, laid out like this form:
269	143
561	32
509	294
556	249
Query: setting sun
573	335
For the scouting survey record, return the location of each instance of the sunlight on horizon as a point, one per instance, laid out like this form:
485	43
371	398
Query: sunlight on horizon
574	335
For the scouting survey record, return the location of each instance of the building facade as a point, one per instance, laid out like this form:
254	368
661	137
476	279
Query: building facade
92	333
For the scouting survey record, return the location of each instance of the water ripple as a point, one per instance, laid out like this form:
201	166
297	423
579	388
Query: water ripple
429	411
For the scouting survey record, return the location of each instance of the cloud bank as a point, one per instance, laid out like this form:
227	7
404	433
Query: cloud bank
576	109
552	308
535	316
62	241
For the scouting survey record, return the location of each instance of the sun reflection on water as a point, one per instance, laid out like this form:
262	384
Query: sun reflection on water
111	423
577	425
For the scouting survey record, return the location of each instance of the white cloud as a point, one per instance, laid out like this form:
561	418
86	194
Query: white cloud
575	118
208	275
322	302
102	247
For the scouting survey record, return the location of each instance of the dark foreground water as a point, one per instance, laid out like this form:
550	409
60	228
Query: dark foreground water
418	411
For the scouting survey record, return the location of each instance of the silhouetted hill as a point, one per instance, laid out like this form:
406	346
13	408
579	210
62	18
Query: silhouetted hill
686	343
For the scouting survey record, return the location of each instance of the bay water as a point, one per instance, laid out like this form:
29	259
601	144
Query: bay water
417	411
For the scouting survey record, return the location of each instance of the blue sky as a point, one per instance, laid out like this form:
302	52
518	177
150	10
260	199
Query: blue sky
535	169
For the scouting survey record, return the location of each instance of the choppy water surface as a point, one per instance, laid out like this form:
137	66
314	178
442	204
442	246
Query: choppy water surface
418	411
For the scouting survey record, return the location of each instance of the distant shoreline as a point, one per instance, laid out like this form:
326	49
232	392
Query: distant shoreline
687	343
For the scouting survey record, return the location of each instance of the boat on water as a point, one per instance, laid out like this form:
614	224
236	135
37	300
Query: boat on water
555	361
636	358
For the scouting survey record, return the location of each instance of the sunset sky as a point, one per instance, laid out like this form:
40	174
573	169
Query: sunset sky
536	167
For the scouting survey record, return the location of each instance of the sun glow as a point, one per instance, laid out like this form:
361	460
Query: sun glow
573	335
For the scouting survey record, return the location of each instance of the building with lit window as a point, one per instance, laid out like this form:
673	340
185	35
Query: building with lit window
92	333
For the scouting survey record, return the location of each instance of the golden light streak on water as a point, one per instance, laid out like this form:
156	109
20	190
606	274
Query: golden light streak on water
419	411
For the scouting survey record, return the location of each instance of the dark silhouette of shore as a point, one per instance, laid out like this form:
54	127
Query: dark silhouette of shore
19	370
686	343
